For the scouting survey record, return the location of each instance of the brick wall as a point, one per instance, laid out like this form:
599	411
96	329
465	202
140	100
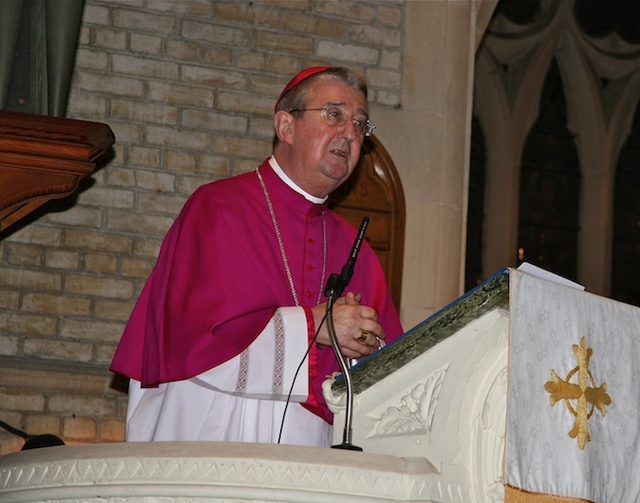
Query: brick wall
188	88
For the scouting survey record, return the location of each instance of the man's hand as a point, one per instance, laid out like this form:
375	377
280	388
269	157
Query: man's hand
357	329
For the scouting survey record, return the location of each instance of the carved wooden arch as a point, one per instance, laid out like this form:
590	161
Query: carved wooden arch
375	190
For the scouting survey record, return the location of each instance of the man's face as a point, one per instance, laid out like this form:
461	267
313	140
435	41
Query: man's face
325	155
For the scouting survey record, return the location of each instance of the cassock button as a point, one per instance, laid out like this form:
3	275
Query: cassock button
310	267
311	241
308	294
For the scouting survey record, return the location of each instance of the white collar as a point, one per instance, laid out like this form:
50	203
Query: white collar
283	176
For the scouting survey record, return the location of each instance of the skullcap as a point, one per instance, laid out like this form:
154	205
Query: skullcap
307	72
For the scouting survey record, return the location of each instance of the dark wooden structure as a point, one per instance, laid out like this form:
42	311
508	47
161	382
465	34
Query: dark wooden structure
375	190
44	158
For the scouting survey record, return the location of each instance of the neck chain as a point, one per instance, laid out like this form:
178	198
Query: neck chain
285	260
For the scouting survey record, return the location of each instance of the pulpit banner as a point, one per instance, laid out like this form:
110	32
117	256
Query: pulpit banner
573	403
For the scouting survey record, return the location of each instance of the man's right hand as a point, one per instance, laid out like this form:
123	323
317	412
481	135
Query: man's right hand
357	329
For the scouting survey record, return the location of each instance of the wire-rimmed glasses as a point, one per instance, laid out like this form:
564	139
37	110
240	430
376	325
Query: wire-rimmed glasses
335	116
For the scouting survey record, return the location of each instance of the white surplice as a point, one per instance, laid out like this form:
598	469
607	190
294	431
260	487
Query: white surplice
242	400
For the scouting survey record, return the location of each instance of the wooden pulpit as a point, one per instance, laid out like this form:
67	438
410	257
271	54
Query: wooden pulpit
44	158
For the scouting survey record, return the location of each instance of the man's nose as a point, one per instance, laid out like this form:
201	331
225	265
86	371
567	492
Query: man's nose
349	129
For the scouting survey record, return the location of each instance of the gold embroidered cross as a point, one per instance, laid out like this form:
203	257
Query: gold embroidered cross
582	392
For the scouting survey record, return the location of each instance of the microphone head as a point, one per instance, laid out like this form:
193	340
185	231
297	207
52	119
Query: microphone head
334	288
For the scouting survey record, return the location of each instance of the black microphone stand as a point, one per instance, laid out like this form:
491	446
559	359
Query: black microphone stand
335	286
346	434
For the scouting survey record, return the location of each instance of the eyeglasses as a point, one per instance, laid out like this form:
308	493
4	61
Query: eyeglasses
335	116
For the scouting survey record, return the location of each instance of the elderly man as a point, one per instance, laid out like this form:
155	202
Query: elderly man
229	326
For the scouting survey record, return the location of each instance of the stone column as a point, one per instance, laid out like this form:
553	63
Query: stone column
428	137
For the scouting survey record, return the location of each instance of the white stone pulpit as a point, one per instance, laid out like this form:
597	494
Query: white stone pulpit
523	390
439	392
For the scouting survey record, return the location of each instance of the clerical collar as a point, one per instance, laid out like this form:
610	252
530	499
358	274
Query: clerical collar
283	176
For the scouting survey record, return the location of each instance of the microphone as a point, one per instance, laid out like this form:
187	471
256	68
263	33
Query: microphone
338	282
335	286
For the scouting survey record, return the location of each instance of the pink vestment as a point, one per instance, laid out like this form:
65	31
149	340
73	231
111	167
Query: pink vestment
220	277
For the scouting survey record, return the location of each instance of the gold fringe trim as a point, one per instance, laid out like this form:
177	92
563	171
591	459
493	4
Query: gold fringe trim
515	495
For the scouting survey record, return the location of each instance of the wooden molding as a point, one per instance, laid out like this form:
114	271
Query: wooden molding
44	158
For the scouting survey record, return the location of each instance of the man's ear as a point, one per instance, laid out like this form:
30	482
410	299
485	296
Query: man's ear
283	124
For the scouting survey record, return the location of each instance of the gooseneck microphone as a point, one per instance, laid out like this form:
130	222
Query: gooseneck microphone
335	286
338	282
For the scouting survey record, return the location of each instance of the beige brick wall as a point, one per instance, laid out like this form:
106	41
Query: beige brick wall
188	88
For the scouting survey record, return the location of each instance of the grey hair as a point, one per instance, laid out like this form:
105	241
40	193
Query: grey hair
298	96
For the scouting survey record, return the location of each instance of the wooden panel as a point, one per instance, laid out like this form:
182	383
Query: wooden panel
374	190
